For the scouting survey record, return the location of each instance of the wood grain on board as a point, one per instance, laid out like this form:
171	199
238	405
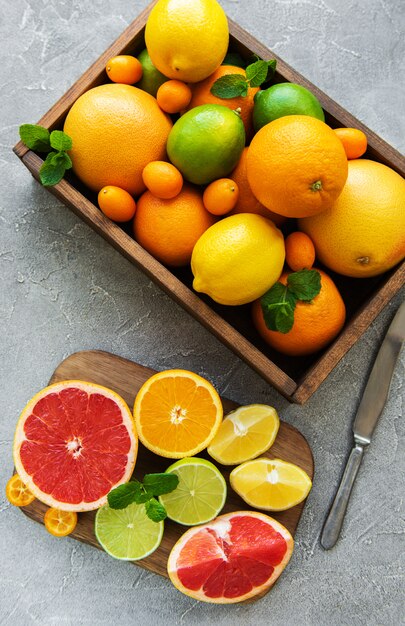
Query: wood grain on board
126	377
297	388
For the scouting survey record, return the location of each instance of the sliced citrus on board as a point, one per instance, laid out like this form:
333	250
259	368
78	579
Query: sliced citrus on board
127	534
200	494
74	442
270	484
244	434
233	558
177	413
60	523
17	492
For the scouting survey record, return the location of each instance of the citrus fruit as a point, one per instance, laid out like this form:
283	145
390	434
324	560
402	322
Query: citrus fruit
177	413
173	96
151	77
299	251
296	166
234	558
206	143
247	202
244	434
202	95
169	229
284	99
221	196
74	442
127	534
116	203
238	259
163	179
316	323
200	494
363	233
60	523
116	130
270	484
354	141
124	69
17	492
187	40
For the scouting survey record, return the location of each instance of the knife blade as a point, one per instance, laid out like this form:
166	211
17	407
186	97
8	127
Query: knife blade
370	408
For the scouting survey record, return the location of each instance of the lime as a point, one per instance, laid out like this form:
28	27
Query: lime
206	143
200	494
284	99
152	79
127	534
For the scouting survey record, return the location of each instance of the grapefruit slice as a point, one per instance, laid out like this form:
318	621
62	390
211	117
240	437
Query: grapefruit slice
74	442
231	559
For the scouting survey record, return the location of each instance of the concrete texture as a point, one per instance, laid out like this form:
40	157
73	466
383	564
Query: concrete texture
64	289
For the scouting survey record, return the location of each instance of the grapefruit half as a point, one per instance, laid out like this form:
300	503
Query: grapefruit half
233	558
74	442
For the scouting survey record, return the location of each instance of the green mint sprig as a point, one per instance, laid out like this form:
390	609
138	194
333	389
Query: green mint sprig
56	144
234	85
278	304
144	493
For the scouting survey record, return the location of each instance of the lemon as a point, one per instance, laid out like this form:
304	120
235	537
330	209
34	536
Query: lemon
187	39
244	434
270	484
238	259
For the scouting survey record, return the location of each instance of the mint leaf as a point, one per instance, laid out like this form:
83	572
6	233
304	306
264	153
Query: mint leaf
35	137
230	86
305	284
60	141
233	58
52	170
124	495
278	306
271	69
155	511
158	484
61	158
256	73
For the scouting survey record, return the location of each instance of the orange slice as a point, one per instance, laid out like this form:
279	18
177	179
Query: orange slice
17	492
177	413
60	523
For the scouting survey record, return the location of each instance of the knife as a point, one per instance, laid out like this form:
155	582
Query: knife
370	408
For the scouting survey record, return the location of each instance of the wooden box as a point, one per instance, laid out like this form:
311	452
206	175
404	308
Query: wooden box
295	378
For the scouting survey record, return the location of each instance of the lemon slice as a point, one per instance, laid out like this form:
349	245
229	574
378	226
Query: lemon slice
245	434
270	484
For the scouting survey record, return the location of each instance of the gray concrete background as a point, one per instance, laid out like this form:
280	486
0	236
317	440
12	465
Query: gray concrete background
64	289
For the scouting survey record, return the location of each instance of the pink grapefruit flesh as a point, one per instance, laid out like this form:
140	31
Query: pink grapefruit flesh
233	558
74	442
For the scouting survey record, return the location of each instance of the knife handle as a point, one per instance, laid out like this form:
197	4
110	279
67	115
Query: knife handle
334	520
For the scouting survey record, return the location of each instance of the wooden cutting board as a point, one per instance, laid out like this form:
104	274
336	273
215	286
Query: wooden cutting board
126	378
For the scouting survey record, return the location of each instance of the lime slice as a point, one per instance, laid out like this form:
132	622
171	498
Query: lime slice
244	434
200	494
127	534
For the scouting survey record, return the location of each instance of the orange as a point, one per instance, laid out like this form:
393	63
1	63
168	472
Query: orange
60	523
169	229
247	202
296	166
173	96
17	492
116	130
354	141
202	95
363	233
163	179
117	204
221	196
177	413
124	69
299	251
316	323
